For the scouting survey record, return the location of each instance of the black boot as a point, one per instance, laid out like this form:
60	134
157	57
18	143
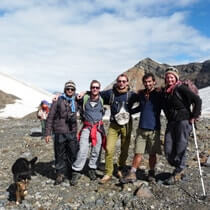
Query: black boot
59	179
75	177
151	176
92	174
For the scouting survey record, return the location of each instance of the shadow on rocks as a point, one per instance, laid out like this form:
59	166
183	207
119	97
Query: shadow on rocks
46	169
11	190
141	175
160	178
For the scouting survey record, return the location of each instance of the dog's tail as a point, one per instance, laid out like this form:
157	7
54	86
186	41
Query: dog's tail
32	162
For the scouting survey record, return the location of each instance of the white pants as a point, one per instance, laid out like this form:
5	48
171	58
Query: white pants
83	151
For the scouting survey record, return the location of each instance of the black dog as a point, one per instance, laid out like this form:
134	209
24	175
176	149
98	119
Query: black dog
22	169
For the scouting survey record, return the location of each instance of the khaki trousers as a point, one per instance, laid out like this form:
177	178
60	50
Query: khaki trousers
114	132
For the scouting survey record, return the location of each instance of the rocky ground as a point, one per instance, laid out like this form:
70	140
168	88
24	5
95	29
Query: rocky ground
6	99
16	141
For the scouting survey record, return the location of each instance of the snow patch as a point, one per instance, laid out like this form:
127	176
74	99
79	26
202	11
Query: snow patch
30	97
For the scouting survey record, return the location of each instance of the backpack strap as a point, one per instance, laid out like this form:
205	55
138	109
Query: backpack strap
85	100
177	94
180	98
58	107
128	96
112	96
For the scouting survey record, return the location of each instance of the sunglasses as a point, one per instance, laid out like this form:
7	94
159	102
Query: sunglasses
72	89
95	87
123	81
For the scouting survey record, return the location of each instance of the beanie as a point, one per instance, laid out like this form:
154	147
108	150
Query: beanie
172	70
44	102
70	83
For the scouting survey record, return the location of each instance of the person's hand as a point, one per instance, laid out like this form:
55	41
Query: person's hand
192	120
47	139
55	97
80	95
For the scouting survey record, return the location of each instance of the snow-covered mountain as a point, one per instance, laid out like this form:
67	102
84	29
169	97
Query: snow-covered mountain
29	97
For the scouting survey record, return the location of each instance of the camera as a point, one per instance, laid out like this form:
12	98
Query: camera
71	118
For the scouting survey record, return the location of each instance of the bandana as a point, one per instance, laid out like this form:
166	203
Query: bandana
171	88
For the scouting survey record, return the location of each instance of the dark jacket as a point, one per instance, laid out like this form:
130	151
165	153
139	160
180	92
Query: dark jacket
61	120
177	104
118	99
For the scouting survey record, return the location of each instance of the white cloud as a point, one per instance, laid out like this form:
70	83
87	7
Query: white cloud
49	42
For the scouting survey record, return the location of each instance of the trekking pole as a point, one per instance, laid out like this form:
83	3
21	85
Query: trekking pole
199	164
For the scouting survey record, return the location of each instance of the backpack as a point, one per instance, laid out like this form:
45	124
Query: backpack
192	87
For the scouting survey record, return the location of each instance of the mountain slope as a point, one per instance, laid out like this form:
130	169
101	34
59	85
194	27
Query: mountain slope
19	98
197	72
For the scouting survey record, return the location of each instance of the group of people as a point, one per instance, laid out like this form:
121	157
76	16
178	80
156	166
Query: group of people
71	150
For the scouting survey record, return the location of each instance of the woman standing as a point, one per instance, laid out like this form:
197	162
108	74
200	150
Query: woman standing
178	99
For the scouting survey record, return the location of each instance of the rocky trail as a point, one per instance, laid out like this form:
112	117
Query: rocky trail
16	141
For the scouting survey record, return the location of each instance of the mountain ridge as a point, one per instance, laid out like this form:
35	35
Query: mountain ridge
199	73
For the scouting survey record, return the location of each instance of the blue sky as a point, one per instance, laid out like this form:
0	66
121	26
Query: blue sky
199	17
46	43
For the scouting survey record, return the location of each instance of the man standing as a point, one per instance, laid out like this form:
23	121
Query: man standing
148	132
120	100
92	131
62	122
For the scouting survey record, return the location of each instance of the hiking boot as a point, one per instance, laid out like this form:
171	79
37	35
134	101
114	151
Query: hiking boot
130	178
105	179
92	174
59	179
151	176
121	172
170	180
75	177
179	176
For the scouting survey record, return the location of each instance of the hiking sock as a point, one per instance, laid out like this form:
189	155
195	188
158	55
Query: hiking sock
133	170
